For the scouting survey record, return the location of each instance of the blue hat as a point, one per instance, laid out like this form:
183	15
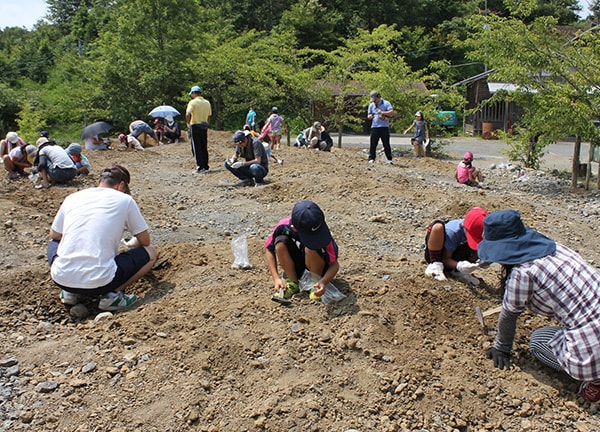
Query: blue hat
195	89
74	149
506	240
309	220
240	136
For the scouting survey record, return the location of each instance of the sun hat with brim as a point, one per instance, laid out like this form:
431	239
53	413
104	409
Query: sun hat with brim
473	224
506	240
309	220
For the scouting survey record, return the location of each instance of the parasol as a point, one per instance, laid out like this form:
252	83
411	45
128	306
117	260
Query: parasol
164	111
96	129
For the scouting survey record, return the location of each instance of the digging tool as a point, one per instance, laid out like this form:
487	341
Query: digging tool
481	315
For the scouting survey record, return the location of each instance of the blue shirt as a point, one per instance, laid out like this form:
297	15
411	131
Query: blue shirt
455	234
377	121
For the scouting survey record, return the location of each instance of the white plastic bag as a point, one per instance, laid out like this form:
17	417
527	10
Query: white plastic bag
239	247
331	294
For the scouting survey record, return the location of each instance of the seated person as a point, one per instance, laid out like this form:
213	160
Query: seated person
96	143
313	138
466	173
53	162
129	141
82	163
159	130
256	164
17	160
11	141
172	130
452	246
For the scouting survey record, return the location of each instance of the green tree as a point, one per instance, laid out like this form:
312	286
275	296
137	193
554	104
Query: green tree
556	75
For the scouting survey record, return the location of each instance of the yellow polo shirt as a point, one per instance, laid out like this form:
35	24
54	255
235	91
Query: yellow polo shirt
200	110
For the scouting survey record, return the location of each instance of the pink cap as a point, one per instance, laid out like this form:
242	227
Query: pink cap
468	155
121	136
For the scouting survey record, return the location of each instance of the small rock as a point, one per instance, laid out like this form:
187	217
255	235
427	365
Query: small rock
46	387
9	362
90	367
79	311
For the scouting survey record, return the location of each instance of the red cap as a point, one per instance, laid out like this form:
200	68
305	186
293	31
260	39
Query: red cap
473	224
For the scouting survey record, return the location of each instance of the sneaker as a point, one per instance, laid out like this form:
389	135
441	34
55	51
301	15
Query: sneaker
201	170
68	298
389	161
258	183
590	391
13	175
114	301
371	161
291	288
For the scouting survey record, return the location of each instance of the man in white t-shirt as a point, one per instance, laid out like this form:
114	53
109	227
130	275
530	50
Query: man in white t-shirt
85	237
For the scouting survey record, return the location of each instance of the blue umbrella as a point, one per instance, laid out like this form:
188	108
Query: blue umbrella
164	111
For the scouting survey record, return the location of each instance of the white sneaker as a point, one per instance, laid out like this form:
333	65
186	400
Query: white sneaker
371	161
114	301
68	298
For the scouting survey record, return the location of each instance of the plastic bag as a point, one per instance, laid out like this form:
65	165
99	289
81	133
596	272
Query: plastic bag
331	294
239	247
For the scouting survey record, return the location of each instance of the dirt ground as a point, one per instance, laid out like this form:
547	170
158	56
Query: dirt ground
206	349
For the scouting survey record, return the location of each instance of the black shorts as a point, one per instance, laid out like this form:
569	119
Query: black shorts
462	253
128	264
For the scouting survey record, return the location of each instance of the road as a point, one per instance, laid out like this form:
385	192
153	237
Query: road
557	156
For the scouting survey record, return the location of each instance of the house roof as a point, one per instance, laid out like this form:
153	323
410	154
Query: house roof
474	78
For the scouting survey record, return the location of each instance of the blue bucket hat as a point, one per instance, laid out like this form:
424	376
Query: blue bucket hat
309	220
506	240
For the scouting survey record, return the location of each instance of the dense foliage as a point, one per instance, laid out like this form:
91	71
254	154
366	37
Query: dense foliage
115	60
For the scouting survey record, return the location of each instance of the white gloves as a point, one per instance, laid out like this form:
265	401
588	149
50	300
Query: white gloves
237	165
436	269
466	267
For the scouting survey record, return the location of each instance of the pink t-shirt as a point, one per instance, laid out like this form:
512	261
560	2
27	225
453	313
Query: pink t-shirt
462	172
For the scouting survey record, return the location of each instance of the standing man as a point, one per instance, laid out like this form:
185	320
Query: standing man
256	164
197	117
380	111
85	237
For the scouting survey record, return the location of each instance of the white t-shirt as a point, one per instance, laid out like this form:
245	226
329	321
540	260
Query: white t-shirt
57	157
92	222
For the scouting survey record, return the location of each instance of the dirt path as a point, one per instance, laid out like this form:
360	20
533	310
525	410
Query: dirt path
206	350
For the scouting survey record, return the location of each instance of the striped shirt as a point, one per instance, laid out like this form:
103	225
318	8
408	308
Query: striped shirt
564	287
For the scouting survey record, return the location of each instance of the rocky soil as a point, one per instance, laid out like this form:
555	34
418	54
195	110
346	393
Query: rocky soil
205	349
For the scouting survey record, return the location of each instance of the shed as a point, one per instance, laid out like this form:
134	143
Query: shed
488	118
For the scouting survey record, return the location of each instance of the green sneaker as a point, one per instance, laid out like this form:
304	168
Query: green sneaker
291	288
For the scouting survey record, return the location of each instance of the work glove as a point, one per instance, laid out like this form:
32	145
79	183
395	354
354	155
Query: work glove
436	269
501	358
237	165
466	278
466	267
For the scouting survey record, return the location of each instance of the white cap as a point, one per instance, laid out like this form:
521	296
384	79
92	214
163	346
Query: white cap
12	137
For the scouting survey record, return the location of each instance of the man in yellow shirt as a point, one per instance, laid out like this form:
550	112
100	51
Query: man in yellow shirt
197	117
